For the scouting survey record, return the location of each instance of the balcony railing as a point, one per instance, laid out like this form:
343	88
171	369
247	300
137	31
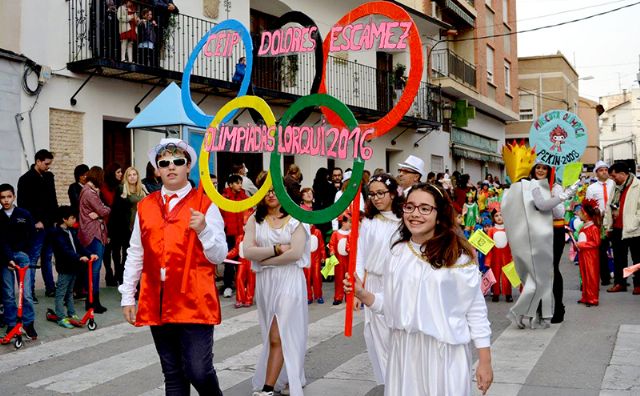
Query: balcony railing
446	63
93	35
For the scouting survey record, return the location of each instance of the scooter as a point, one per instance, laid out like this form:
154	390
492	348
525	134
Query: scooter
88	318
18	328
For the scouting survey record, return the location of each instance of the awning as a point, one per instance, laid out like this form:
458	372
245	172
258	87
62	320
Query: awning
166	109
460	150
456	9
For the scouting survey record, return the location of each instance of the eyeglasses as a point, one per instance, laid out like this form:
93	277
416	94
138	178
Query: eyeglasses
164	163
378	194
271	192
424	209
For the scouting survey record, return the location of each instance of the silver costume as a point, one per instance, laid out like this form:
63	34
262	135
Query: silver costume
530	234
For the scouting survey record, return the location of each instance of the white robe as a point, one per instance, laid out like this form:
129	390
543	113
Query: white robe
281	292
374	253
433	314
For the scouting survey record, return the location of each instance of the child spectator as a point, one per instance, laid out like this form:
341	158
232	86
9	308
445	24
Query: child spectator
339	247
147	36
70	255
233	227
241	68
128	21
245	278
18	229
312	274
498	257
589	257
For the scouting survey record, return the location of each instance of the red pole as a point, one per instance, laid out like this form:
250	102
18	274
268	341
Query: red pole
353	252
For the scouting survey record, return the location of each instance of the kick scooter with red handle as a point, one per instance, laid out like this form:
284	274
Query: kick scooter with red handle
88	319
18	328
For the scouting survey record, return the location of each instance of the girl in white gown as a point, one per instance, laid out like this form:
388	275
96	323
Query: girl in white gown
383	213
432	303
278	246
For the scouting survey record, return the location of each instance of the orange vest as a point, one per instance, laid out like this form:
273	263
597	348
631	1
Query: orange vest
164	241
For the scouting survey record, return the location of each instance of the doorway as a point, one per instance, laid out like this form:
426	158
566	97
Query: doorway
384	89
226	160
116	143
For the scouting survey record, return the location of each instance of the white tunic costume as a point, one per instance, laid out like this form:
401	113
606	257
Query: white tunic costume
374	254
432	314
281	292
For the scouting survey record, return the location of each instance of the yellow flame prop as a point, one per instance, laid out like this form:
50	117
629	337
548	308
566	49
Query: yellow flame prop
518	160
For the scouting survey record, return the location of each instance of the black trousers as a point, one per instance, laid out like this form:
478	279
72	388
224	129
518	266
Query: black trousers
605	274
558	248
186	357
621	248
229	275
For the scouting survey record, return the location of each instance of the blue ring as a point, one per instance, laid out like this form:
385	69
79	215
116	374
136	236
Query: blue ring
193	111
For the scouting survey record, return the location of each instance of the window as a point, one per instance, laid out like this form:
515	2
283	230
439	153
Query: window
507	41
507	77
437	163
527	103
505	11
489	22
490	55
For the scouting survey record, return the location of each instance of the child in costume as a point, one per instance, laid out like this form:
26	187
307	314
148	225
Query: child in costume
383	214
470	212
498	257
312	274
339	247
431	322
589	258
245	277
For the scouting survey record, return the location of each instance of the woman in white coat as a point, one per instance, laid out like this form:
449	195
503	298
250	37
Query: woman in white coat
278	247
383	214
432	303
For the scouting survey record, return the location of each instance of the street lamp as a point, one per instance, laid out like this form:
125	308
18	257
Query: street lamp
571	83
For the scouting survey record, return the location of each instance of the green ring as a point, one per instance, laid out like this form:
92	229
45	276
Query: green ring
327	214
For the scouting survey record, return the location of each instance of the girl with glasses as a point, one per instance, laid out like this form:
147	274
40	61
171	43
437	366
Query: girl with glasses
432	303
278	246
383	213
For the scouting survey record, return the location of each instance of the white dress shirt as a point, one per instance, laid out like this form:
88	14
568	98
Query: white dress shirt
212	238
596	191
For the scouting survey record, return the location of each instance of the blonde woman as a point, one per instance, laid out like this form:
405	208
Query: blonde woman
133	191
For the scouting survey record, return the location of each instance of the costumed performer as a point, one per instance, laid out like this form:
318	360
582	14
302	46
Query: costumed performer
339	247
432	303
278	246
313	274
382	216
498	257
181	321
589	257
529	239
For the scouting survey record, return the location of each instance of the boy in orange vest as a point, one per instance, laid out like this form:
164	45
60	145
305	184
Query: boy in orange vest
178	298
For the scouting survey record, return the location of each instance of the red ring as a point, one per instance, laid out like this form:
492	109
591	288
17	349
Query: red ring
393	117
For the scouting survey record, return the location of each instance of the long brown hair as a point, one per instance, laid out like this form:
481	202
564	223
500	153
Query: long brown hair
448	243
261	207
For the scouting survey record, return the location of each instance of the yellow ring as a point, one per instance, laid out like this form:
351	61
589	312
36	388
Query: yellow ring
250	102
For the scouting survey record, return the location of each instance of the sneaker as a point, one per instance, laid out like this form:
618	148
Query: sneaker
321	300
285	391
227	292
65	323
50	293
309	302
509	298
337	302
262	393
73	317
495	298
30	332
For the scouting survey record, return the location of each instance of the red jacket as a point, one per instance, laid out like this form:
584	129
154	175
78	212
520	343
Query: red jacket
318	255
165	240
233	222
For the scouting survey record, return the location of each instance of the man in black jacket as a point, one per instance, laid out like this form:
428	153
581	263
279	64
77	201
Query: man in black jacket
16	227
37	194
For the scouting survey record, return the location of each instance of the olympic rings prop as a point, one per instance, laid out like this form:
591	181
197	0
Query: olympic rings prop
327	214
392	11
193	112
337	113
247	101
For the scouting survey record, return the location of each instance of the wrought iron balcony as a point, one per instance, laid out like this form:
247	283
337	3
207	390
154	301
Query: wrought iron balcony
95	47
446	63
